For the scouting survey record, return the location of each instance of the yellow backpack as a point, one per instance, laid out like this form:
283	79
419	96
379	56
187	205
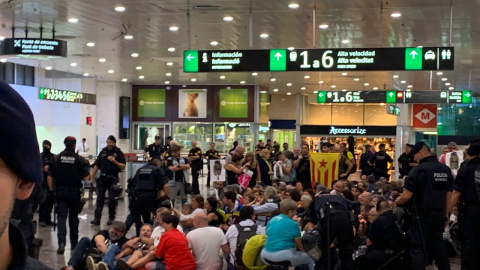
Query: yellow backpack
251	252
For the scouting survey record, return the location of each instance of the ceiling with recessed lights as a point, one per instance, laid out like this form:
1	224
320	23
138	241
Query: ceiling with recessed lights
142	41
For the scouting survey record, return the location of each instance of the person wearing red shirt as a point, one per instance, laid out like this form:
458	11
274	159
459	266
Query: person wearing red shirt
173	250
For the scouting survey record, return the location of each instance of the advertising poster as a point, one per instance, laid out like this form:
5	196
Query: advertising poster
192	103
233	103
151	103
146	135
217	171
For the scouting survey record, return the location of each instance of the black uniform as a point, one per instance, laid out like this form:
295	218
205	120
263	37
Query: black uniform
148	181
68	170
20	260
387	242
405	161
381	159
210	156
467	183
429	182
364	166
108	177
341	228
45	210
154	150
303	172
259	148
196	166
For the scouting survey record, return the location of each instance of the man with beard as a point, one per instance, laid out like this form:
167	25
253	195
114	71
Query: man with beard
45	211
20	170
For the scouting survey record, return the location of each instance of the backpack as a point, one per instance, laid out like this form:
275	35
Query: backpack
244	233
251	253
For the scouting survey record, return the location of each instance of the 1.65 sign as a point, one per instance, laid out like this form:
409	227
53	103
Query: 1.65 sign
66	96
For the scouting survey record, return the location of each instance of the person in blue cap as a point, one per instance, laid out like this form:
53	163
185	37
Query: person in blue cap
20	170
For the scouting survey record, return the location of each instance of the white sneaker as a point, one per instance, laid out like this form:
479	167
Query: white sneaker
102	266
91	263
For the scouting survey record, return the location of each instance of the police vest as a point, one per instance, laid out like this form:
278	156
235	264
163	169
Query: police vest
146	178
68	169
436	187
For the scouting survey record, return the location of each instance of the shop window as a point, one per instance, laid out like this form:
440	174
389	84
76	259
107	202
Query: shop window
186	132
144	134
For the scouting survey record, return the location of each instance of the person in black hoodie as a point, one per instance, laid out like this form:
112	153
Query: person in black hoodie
45	211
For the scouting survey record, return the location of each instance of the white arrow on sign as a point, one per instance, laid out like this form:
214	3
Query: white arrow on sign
467	94
190	57
413	54
278	55
391	94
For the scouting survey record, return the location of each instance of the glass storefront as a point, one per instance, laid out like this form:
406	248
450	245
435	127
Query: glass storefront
144	134
282	136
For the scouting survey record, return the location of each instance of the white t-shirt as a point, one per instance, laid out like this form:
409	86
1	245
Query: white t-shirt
232	235
157	233
205	243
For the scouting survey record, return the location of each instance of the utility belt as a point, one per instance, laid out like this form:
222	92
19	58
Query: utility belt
333	210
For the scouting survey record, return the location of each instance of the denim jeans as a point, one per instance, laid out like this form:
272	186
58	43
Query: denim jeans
109	257
295	257
77	255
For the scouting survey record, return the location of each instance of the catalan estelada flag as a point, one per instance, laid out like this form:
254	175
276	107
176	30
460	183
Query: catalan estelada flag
324	168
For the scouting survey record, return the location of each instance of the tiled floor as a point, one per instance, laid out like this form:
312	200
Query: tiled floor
48	253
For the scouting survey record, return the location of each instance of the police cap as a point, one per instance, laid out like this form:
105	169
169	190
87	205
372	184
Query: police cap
417	147
157	137
19	149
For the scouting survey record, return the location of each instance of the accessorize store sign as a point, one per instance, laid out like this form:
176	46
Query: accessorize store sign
348	130
66	96
233	103
151	103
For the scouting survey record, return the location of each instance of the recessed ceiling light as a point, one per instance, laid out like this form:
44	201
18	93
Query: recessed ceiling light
447	84
451	88
129	37
138	68
2	38
111	71
344	90
222	77
171	49
47	67
91	44
263	92
4	60
167	82
323	26
289	93
306	76
73	64
173	28
439	73
119	8
419	46
170	64
264	35
356	79
193	79
345	41
254	74
403	81
366	84
396	15
228	18
289	84
73	20
344	74
375	88
293	5
444	79
273	79
395	76
320	82
409	90
168	74
409	86
85	74
141	77
333	86
134	54
214	43
291	48
124	80
102	60
303	88
315	92
242	82
275	90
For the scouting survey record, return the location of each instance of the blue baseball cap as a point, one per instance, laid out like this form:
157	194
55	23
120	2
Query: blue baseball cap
19	148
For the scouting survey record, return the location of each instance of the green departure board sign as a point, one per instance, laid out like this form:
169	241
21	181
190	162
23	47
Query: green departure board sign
349	59
66	96
392	97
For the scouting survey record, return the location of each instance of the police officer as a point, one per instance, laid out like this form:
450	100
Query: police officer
211	154
45	211
110	161
429	186
166	147
406	161
195	157
149	181
467	190
332	214
380	161
154	150
68	169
